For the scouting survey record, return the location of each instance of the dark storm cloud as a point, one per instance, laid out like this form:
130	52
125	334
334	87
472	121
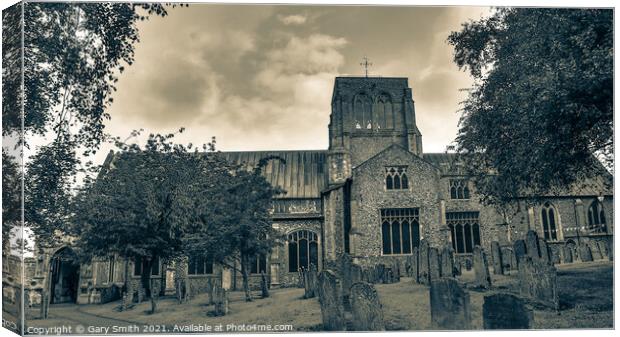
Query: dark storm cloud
260	77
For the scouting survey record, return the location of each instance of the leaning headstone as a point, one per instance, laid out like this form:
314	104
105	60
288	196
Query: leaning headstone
538	281
481	268
447	262
496	258
434	265
567	254
505	311
221	301
264	285
544	250
366	309
520	249
415	265
596	252
449	305
330	298
585	255
531	243
423	271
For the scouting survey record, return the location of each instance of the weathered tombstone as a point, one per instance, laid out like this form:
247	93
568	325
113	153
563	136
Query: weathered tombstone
538	281
496	257
567	254
210	289
397	273
423	271
221	300
505	311
585	255
365	308
457	267
520	249
330	298
543	249
449	305
596	253
531	243
447	262
481	268
415	258
408	263
313	280
434	264
300	278
264	285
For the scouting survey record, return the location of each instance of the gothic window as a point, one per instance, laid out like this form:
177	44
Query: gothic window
549	222
396	178
459	189
303	250
258	264
362	108
199	265
464	231
400	230
384	113
138	267
596	218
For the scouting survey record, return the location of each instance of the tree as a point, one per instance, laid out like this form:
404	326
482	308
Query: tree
72	54
240	222
11	196
141	205
541	109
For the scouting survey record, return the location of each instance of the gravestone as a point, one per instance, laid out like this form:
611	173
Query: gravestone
447	261
264	285
543	249
596	253
531	244
585	255
496	258
366	309
313	280
423	271
468	264
300	278
505	311
520	249
415	265
330	298
381	273
538	281
434	264
567	254
481	268
449	305
220	297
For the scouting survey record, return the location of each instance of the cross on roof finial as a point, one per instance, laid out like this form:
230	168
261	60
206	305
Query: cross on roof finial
365	64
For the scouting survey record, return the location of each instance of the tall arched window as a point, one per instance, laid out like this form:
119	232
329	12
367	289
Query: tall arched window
384	112
400	230
549	222
596	218
362	108
464	230
303	250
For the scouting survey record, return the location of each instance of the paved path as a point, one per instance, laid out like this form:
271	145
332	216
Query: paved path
74	315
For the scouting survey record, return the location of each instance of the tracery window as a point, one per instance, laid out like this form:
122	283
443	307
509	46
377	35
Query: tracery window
464	231
396	178
459	189
200	265
303	250
384	113
400	230
596	218
549	221
362	107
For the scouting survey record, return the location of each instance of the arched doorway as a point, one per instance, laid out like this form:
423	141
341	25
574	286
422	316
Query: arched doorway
65	273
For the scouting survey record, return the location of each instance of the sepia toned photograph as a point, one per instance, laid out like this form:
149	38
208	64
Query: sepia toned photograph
175	168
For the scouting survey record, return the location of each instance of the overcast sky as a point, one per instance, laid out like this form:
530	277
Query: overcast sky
261	77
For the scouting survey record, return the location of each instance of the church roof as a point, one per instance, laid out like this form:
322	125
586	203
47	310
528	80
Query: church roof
303	175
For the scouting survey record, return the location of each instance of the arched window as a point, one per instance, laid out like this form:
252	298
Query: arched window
396	178
464	231
362	108
303	250
400	230
459	189
384	114
596	218
549	220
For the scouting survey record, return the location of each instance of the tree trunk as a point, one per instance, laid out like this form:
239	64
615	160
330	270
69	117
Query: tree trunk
154	296
245	262
128	296
145	276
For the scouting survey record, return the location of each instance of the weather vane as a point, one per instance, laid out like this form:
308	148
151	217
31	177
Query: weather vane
366	64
